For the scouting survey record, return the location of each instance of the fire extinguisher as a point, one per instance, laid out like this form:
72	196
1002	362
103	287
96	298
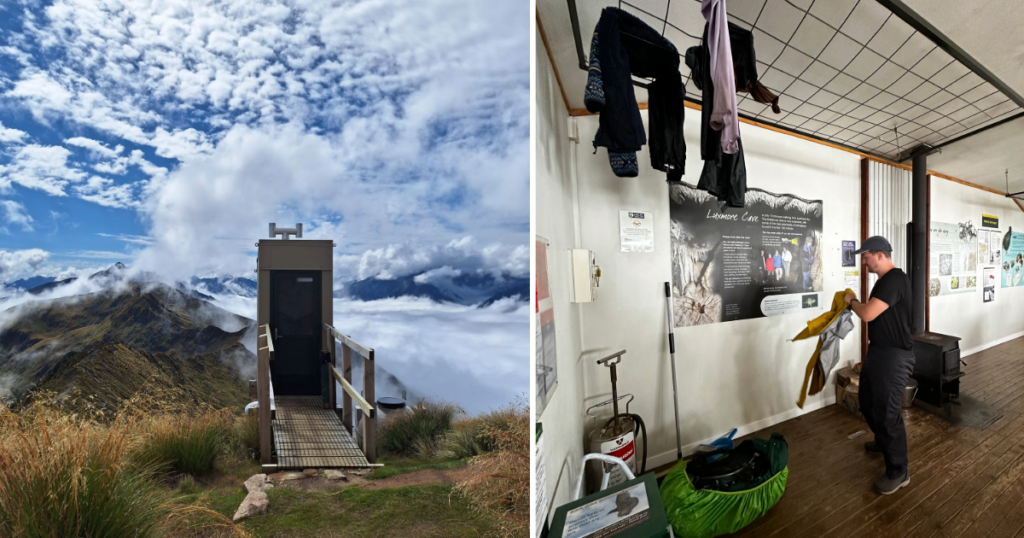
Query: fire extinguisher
617	435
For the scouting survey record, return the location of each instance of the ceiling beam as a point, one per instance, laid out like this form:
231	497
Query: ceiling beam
917	22
547	49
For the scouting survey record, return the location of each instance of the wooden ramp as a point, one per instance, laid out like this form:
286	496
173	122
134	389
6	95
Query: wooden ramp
309	436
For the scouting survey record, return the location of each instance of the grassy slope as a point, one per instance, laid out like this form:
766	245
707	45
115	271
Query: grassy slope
106	375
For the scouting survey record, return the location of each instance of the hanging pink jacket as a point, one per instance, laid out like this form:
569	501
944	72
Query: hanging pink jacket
723	113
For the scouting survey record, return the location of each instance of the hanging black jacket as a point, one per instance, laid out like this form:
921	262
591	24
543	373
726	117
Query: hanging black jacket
724	175
623	45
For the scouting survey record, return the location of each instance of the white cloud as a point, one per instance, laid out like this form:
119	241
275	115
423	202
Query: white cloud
95	146
15	213
405	259
116	167
476	357
147	167
104	192
133	239
436	275
16	263
70	272
11	135
40	167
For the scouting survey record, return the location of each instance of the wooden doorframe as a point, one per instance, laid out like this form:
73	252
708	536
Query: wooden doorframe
865	198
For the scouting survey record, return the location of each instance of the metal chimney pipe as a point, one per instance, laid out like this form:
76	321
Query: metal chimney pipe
919	251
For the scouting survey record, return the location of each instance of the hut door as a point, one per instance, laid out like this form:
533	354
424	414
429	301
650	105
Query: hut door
295	312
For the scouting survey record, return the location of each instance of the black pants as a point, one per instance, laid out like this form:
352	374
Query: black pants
882	382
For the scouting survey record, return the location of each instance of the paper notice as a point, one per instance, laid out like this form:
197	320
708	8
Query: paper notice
636	231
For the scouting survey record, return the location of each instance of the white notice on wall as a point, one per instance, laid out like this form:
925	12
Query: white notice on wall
853	281
540	491
636	229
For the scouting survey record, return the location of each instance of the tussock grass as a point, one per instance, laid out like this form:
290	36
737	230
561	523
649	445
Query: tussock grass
417	431
461	441
61	476
244	437
502	485
183	443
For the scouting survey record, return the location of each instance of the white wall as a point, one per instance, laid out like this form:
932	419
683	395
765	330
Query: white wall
980	325
738	374
562	418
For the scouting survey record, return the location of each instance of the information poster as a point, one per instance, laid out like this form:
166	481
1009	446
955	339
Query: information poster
636	231
990	247
764	259
547	365
609	515
953	258
988	283
1013	259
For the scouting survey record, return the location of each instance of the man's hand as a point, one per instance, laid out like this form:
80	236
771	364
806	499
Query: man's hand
849	297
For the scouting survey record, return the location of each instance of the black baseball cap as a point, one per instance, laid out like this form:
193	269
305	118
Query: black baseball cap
875	243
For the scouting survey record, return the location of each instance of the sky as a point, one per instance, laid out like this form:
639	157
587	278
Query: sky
167	134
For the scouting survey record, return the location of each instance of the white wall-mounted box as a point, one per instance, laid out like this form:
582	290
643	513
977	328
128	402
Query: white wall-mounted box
584	275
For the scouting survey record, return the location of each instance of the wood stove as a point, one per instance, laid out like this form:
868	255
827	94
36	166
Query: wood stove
937	368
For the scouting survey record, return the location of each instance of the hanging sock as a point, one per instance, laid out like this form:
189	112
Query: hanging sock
622	46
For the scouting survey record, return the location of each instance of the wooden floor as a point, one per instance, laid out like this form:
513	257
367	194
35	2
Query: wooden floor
963	481
308	436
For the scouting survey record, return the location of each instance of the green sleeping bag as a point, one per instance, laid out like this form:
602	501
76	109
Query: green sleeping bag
704	513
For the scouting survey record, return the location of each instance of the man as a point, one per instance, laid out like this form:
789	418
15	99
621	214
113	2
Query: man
808	261
889	361
787	259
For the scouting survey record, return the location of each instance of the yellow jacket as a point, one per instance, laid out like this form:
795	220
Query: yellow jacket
816	327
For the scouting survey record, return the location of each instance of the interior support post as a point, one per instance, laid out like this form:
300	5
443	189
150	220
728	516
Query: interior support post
919	246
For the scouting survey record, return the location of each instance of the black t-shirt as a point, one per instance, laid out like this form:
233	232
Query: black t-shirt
892	327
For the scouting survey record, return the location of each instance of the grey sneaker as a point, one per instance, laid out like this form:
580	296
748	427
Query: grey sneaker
888	486
872	446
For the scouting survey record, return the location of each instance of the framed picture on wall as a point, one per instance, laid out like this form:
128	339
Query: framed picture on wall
547	363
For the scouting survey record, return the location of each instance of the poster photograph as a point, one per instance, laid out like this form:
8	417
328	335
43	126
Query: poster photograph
849	258
547	363
1013	259
953	258
764	259
988	283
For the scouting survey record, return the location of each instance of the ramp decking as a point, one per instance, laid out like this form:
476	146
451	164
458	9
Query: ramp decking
308	436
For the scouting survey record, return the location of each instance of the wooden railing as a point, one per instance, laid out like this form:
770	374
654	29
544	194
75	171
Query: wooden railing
264	354
363	401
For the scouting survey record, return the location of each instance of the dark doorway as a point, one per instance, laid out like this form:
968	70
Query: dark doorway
295	313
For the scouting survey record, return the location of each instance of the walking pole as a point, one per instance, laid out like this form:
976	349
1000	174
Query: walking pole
672	355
